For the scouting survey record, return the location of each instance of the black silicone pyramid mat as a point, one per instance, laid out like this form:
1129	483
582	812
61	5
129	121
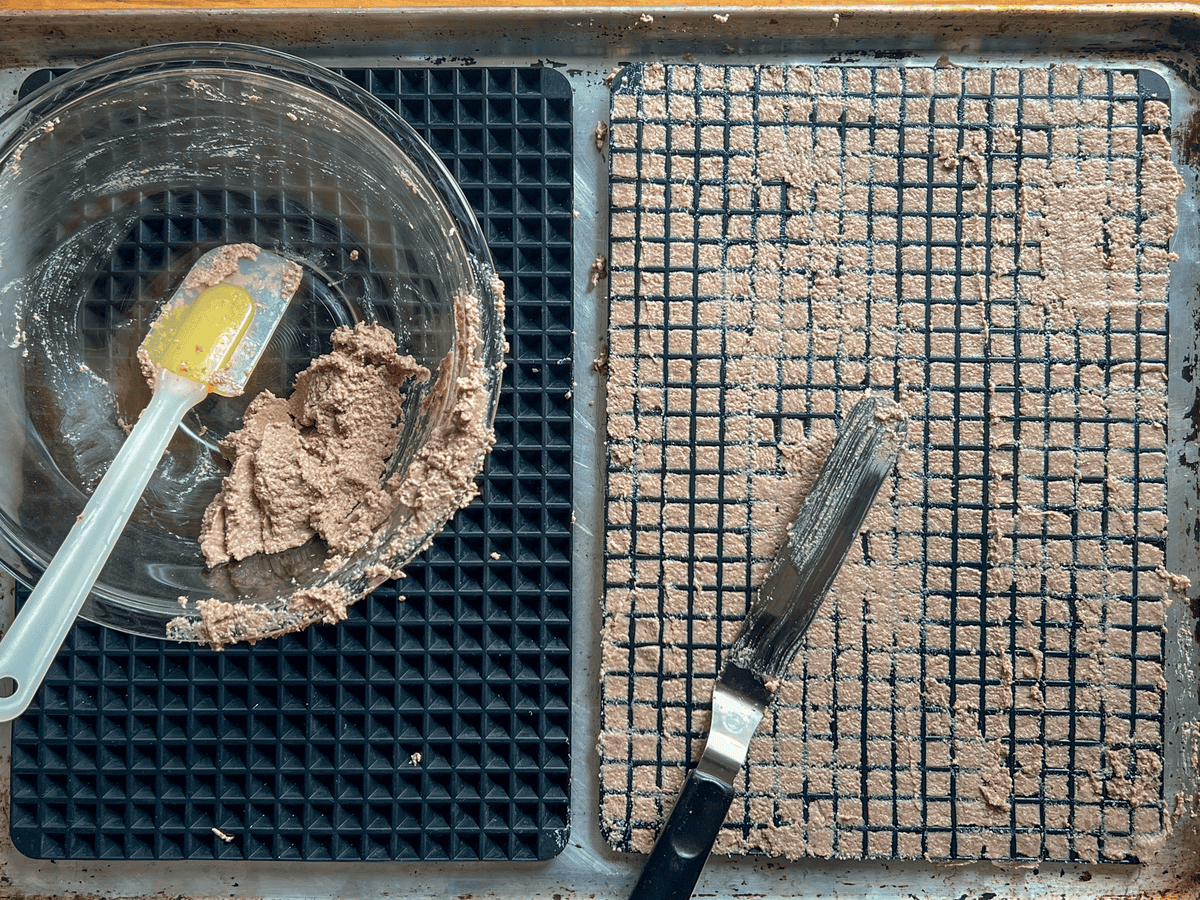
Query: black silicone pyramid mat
435	728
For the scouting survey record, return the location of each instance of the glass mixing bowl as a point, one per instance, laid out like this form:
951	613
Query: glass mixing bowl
114	179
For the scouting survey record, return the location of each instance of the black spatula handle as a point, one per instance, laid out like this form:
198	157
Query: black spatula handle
686	840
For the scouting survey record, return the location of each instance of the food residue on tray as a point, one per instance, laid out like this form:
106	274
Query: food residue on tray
597	272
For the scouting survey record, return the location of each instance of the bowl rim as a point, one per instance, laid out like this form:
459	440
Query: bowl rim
37	106
115	608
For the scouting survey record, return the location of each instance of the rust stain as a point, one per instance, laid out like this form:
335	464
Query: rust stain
1189	140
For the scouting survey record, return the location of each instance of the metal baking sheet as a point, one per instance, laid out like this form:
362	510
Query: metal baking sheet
586	45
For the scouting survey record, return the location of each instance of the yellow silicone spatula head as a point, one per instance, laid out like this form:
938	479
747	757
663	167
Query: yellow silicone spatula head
207	338
198	340
205	347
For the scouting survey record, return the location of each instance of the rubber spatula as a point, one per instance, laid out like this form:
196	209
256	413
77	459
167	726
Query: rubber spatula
207	339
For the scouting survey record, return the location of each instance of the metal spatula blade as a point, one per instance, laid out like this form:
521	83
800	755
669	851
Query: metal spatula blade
829	521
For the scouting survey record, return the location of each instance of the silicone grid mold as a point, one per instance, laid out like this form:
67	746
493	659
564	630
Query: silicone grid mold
985	680
435	728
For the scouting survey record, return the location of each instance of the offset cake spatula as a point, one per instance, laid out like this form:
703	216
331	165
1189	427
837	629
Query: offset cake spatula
828	523
206	339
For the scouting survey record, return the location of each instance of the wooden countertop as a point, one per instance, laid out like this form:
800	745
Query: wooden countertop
650	8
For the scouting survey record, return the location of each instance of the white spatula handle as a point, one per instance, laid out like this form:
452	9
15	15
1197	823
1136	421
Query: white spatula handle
41	626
